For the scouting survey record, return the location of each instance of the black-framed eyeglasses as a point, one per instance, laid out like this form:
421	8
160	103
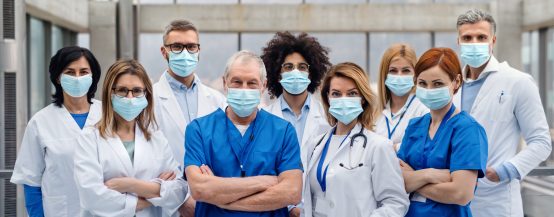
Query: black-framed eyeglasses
123	91
303	67
177	48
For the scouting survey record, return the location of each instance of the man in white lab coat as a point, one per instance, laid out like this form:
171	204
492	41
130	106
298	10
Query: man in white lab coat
506	102
179	95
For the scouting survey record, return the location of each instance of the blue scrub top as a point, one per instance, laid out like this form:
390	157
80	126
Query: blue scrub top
460	144
268	147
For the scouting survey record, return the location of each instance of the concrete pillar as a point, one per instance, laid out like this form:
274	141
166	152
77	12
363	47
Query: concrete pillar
103	36
508	15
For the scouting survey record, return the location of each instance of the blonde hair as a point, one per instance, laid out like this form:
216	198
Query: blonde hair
369	100
108	123
393	53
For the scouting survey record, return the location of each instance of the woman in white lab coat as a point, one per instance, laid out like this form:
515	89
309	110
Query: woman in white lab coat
123	165
396	93
44	164
352	171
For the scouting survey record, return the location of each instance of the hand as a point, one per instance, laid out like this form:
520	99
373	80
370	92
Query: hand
206	170
187	209
405	167
492	175
436	176
294	212
142	204
170	175
121	184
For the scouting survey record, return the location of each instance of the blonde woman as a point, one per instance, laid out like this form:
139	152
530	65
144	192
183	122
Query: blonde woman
122	166
396	93
352	171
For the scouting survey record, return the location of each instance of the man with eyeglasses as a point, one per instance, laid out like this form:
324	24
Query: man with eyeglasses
295	66
179	95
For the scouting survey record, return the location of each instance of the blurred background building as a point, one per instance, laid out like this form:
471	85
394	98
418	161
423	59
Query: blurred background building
31	31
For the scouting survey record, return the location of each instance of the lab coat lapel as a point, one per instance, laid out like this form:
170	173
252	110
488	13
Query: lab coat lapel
204	100
311	121
170	104
141	151
275	108
68	120
492	68
316	153
117	146
94	113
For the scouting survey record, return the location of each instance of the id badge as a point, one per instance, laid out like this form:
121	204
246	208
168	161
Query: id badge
418	198
322	206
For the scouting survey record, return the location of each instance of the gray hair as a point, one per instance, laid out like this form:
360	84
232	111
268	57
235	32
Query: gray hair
474	16
245	56
179	25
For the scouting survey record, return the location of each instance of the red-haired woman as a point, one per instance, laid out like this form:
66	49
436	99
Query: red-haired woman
445	150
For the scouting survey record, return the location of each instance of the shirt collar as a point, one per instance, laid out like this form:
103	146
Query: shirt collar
175	84
285	106
492	66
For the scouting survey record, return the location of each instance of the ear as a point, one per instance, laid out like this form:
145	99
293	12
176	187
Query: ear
224	84
164	53
493	43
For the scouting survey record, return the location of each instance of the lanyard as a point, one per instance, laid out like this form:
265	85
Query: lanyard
426	144
321	177
239	154
399	120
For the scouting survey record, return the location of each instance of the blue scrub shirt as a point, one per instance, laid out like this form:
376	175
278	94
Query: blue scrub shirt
268	147
460	144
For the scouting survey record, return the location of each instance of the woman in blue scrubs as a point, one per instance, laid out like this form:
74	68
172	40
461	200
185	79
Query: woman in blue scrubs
444	151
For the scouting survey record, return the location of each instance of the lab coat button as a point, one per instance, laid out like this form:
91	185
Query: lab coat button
331	204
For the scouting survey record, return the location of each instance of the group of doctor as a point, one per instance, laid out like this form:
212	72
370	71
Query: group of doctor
437	139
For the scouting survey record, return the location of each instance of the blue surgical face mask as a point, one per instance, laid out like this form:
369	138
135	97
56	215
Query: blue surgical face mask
295	82
184	63
243	101
434	99
128	108
399	85
76	86
475	54
345	109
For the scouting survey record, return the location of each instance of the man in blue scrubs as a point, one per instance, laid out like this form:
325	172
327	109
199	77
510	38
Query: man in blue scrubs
242	161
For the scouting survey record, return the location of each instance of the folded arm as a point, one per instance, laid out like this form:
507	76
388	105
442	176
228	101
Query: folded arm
287	192
458	191
219	191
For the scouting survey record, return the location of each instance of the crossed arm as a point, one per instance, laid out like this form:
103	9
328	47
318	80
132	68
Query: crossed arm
253	194
441	185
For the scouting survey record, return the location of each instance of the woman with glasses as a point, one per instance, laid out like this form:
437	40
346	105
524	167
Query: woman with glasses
445	151
397	93
352	171
123	165
44	162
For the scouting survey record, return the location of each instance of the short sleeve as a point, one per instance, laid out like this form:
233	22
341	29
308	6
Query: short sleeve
290	154
194	154
469	149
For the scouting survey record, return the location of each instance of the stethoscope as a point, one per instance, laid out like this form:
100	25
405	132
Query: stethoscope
322	173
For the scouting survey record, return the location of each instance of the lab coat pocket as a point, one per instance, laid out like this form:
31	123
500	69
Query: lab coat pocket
504	110
264	162
55	206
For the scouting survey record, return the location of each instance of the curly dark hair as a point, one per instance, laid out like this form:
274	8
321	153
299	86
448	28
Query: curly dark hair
284	44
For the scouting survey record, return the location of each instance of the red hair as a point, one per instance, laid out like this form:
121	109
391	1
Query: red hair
445	58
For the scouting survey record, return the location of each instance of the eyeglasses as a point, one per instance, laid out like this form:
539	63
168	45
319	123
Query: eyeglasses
177	48
123	91
303	67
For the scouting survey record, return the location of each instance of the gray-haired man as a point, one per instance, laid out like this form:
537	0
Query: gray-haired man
507	104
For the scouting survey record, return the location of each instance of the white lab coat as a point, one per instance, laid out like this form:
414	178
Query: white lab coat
45	157
416	109
375	189
171	120
509	107
316	122
98	160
